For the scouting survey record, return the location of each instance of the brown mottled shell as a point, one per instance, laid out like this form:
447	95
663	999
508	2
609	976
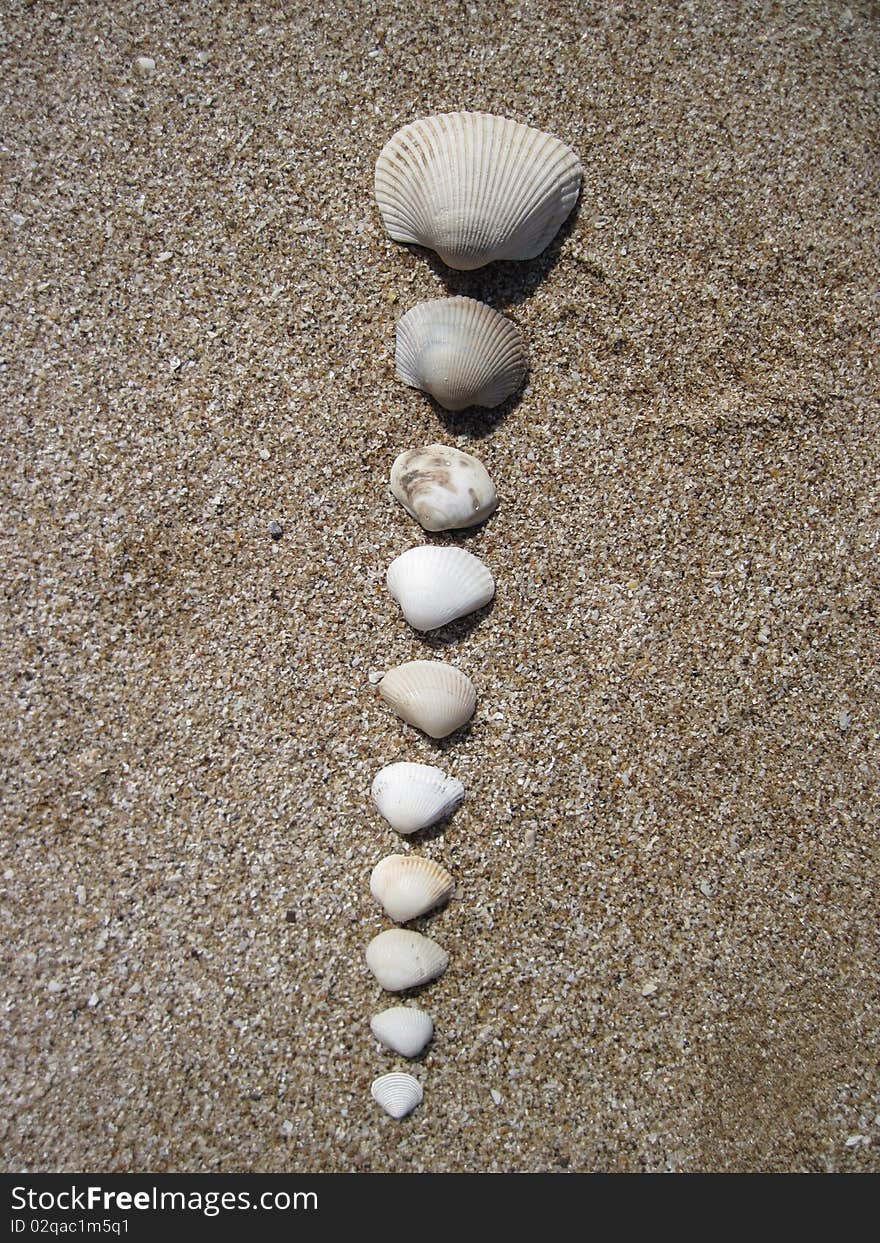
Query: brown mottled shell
443	488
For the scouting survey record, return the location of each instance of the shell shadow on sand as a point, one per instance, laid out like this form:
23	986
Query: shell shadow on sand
478	422
506	282
455	631
431	833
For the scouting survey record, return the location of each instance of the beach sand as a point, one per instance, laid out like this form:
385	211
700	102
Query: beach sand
663	944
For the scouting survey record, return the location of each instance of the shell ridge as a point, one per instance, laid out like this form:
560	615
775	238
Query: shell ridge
503	344
509	176
401	192
394	185
432	161
397	1093
549	193
495	161
525	193
466	364
478	176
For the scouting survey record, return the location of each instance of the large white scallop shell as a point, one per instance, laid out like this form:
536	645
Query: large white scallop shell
434	584
409	885
401	959
442	487
404	1029
398	1093
412	797
475	187
461	352
434	697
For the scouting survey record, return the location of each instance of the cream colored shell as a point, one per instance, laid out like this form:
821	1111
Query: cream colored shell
475	187
412	797
401	959
434	584
443	488
433	696
461	352
409	885
403	1029
398	1093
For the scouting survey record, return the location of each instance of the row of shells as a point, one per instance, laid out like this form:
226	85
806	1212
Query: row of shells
474	188
411	797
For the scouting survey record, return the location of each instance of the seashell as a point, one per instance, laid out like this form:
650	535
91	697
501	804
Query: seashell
434	697
409	885
461	352
443	488
475	187
404	1029
412	797
401	959
398	1093
435	584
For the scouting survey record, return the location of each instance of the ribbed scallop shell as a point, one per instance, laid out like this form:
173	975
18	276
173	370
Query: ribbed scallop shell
409	885
401	959
404	1029
442	487
475	187
412	797
398	1093
434	697
434	584
461	352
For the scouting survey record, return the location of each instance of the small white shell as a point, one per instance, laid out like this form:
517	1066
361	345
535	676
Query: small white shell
404	1029
461	352
443	488
398	1093
412	797
475	187
401	959
434	584
409	885
434	697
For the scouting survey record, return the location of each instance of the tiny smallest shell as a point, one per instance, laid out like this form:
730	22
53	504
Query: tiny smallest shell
398	1093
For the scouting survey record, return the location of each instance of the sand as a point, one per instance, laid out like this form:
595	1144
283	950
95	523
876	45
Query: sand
663	944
